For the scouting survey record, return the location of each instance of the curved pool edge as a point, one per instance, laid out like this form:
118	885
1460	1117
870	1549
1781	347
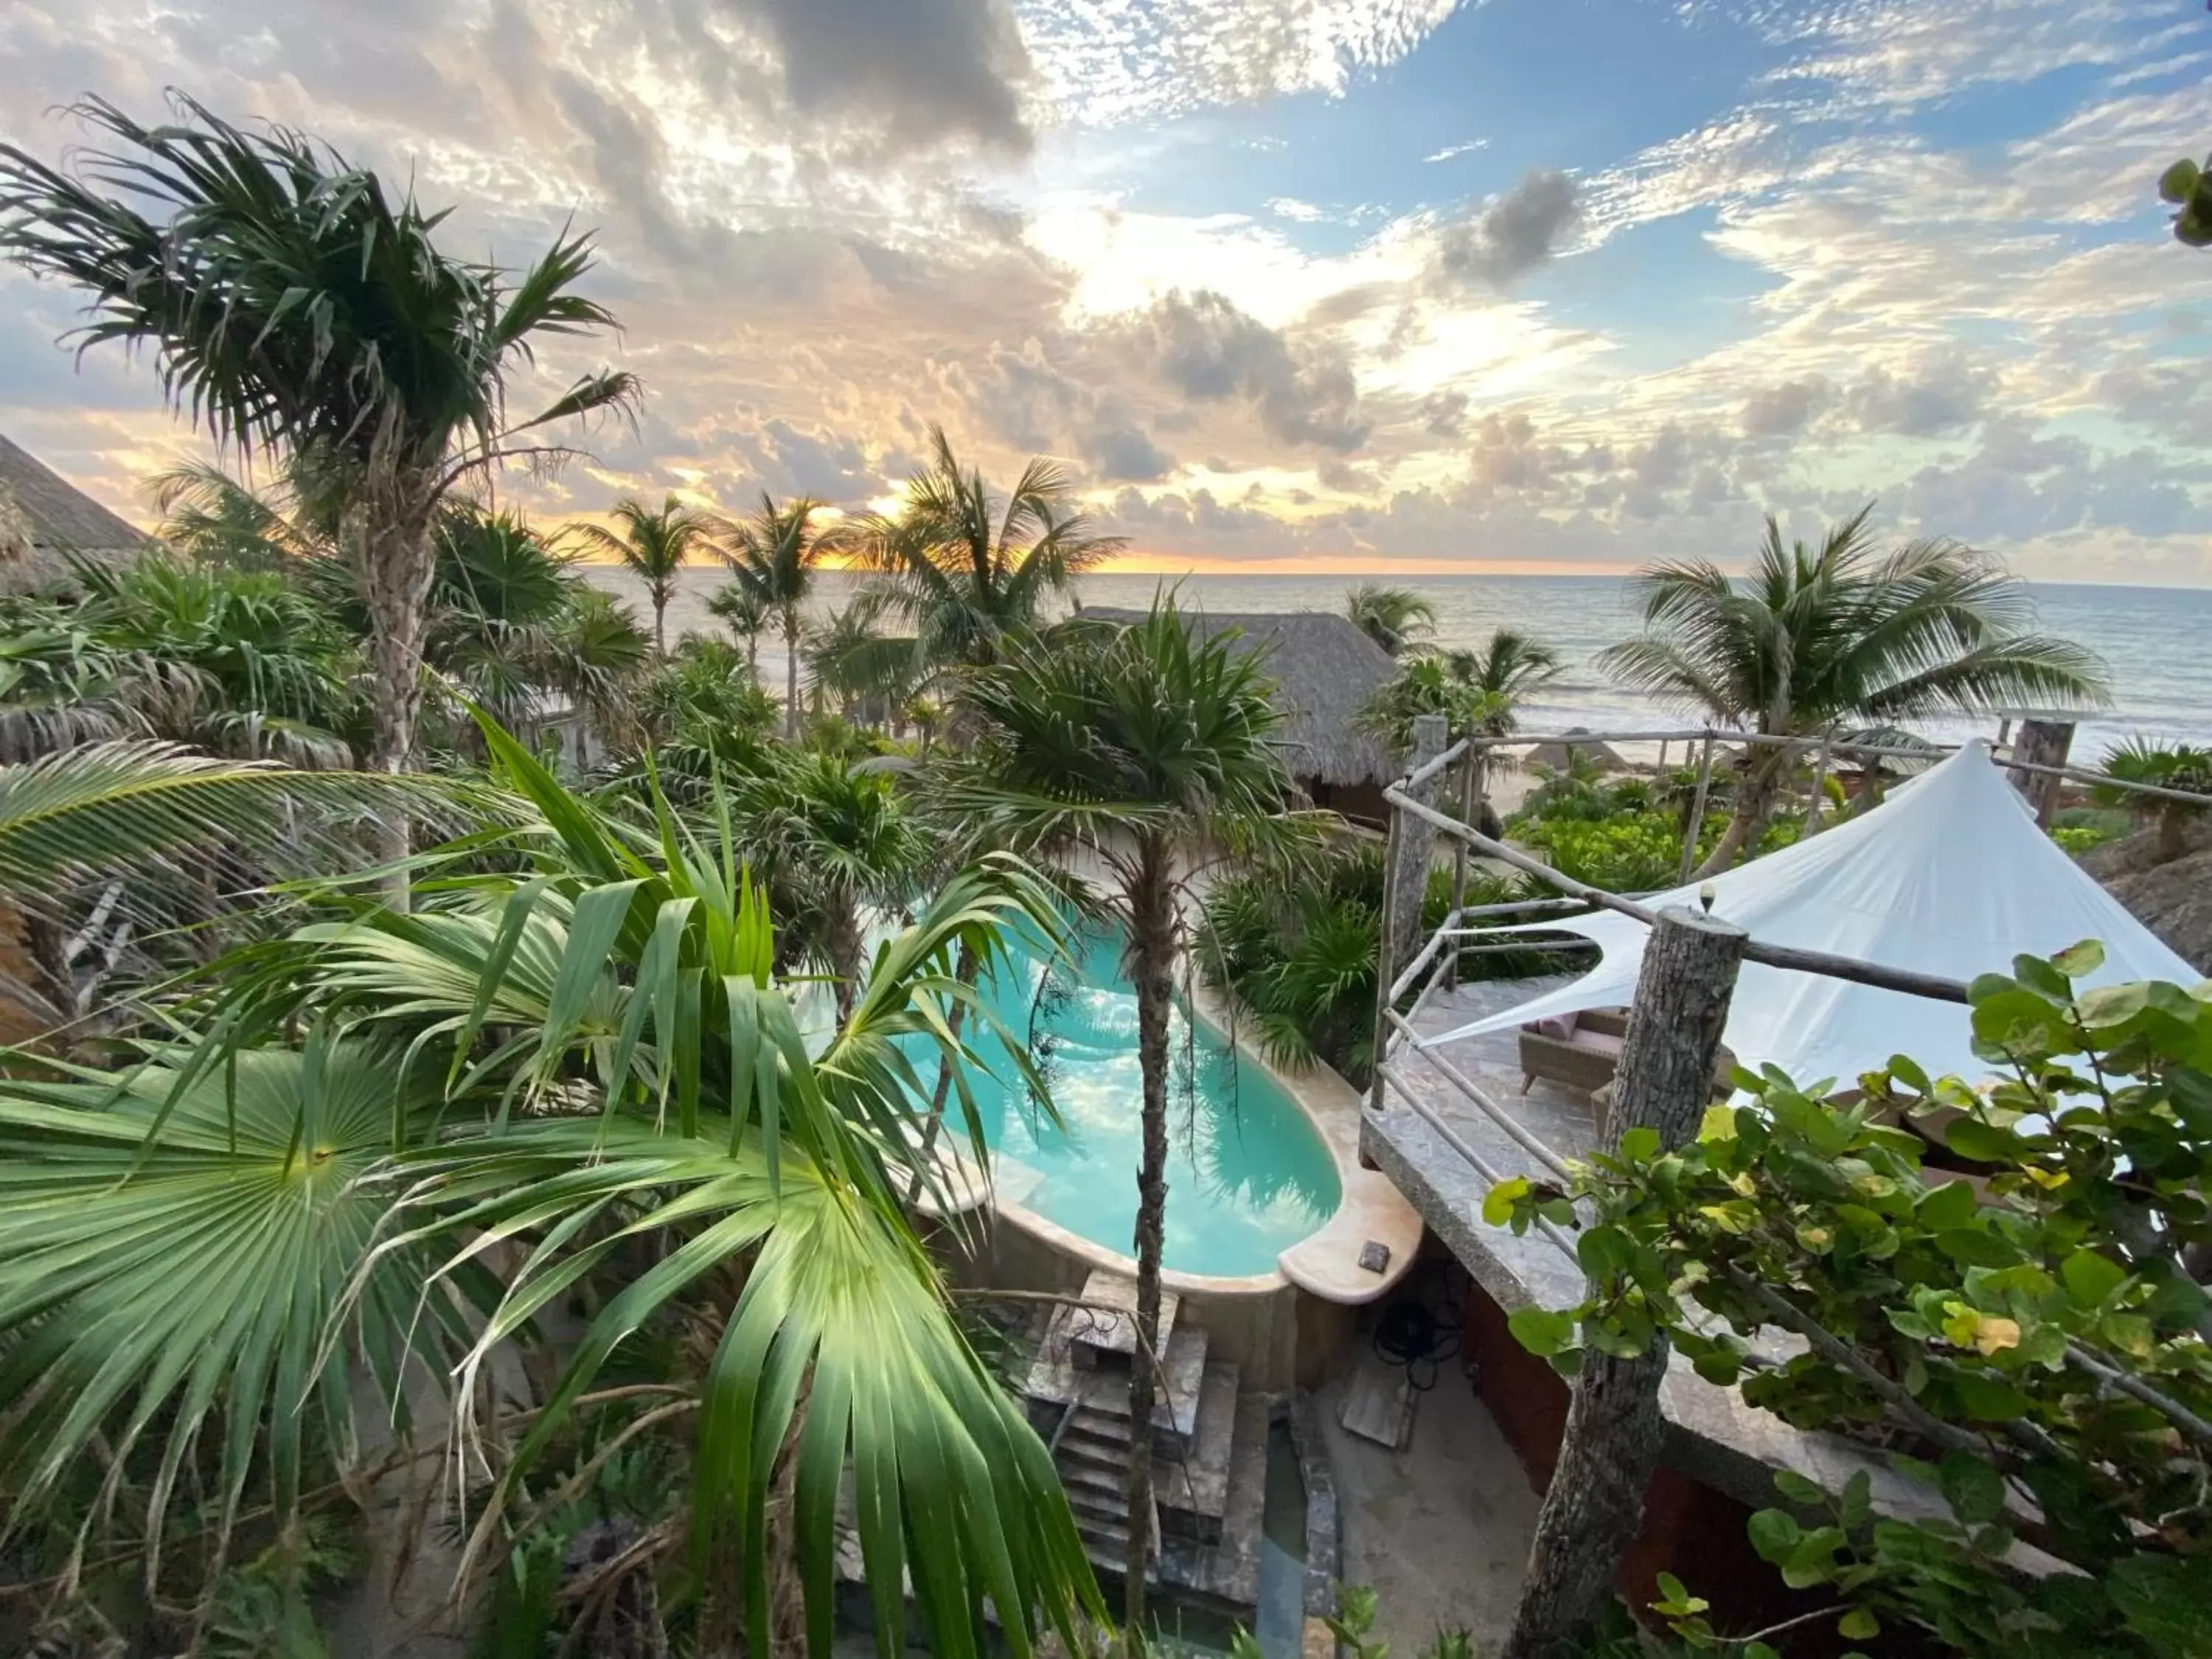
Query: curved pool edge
1325	1263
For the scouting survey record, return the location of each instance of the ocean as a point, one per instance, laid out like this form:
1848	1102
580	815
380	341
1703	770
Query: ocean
2156	642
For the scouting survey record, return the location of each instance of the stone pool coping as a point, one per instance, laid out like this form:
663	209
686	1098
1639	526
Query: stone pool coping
1323	1264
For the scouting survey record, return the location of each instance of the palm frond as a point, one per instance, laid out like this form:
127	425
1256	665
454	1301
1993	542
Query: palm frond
109	805
178	1251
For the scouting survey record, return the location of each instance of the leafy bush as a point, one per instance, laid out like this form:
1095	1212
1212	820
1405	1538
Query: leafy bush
2078	839
2035	1351
1296	948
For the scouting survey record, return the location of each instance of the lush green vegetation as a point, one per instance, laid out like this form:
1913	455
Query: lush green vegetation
2029	1344
1819	639
457	1015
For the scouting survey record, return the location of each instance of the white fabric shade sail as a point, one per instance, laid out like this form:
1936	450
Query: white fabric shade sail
1949	876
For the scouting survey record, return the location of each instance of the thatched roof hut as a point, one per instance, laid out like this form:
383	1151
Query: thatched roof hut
42	516
1554	756
1325	670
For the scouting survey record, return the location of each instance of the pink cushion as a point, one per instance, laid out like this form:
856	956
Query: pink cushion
1603	1043
1558	1026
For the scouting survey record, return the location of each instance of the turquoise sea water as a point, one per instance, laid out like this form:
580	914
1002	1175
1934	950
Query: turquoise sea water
1248	1175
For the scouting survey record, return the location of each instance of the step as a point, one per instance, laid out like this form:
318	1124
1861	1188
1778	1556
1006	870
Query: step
1105	1395
1105	1327
1193	1492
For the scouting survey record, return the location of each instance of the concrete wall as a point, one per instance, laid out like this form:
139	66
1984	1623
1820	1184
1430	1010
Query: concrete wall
1689	1529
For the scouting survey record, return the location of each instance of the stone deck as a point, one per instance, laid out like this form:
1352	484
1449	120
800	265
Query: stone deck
1712	1435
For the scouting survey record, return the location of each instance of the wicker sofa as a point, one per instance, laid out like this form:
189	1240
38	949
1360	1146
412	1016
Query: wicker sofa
1582	1050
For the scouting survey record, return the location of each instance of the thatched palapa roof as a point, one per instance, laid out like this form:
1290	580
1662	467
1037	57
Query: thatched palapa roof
39	505
1326	670
1554	756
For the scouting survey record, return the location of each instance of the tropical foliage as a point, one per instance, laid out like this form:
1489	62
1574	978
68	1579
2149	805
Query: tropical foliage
2165	766
1395	618
1819	636
1294	949
585	1057
975	574
2188	186
1147	747
292	307
2022	1332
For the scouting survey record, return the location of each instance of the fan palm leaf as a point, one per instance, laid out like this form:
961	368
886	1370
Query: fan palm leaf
181	1251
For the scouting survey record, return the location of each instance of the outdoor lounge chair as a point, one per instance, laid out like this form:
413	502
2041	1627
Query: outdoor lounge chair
1582	1050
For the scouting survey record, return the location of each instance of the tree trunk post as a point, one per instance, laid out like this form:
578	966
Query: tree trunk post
1405	882
1696	822
1152	915
1471	792
791	673
1812	815
1594	1507
2041	742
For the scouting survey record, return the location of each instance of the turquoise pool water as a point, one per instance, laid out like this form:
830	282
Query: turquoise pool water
1248	1174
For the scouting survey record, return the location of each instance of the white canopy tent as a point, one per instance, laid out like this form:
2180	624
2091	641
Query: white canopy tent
1949	876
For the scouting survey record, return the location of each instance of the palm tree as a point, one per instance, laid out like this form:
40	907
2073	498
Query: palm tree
2170	766
292	308
510	622
1509	668
836	841
975	574
1843	632
1395	618
745	613
873	674
586	1054
1148	745
777	550
654	543
1426	685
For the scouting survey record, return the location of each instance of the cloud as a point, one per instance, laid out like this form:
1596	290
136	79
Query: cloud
1923	400
927	71
1125	455
1443	413
1512	236
1210	350
1450	151
1782	409
1108	64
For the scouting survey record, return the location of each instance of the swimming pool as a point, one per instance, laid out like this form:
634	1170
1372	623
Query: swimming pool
1249	1176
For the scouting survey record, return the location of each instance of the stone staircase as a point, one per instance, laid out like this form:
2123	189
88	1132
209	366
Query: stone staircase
1077	1398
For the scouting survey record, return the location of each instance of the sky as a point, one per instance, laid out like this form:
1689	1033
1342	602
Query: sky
1289	284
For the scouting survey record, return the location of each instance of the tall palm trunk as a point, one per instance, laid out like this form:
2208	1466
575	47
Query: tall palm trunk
791	671
1151	915
660	624
385	537
1754	805
842	939
752	658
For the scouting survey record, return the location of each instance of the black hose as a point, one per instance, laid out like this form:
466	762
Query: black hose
1422	1328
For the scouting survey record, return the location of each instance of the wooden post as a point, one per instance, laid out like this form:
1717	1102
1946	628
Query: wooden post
1471	792
1697	819
1405	882
2041	742
1594	1507
1819	782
